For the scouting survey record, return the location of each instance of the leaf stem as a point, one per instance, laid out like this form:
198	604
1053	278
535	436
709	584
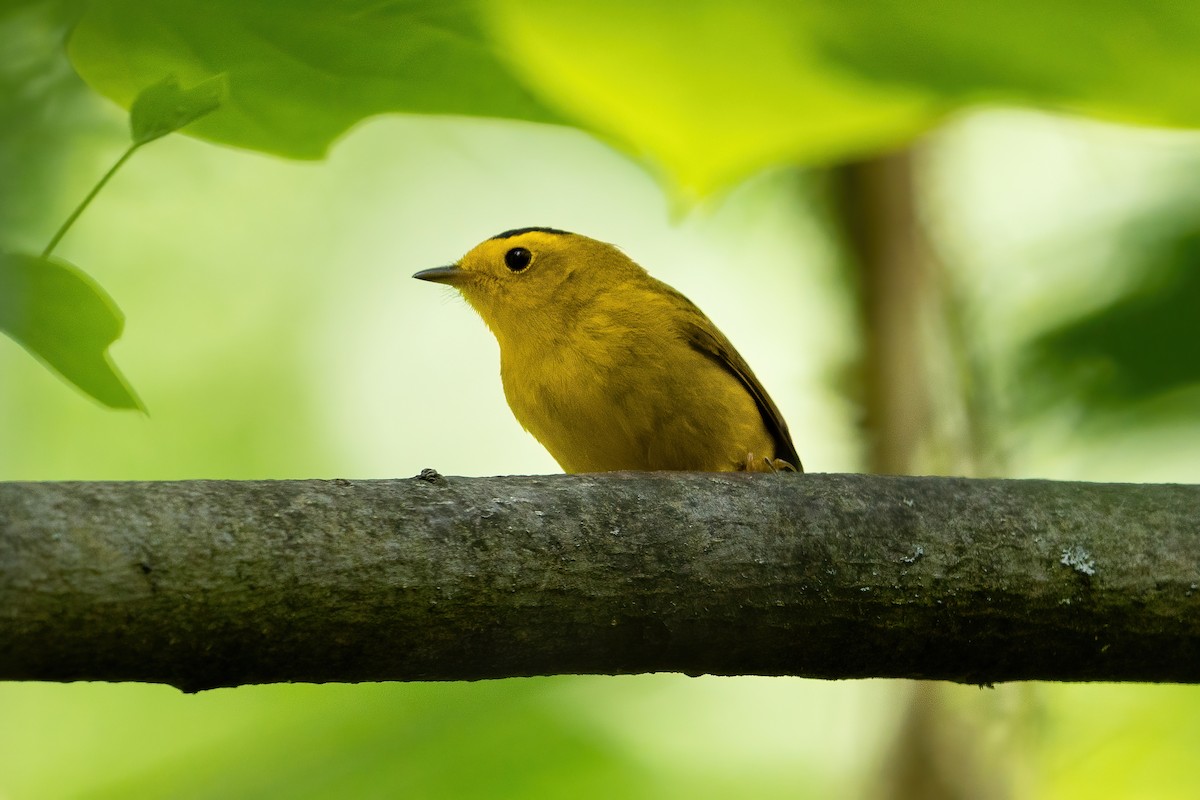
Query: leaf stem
66	226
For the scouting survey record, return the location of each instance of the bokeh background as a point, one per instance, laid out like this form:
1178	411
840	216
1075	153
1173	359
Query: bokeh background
273	331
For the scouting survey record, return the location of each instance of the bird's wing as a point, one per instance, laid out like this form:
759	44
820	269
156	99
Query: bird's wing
712	343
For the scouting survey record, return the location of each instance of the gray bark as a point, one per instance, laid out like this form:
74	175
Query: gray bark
202	584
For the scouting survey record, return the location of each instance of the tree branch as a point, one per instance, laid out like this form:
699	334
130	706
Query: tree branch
202	584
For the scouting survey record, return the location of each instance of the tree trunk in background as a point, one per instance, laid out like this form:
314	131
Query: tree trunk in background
936	753
879	214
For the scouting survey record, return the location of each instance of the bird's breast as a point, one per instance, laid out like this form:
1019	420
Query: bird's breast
577	396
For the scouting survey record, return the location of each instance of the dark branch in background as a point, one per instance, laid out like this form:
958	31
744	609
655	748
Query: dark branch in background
876	206
204	584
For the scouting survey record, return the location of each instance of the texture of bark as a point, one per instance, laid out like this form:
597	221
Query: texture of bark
202	584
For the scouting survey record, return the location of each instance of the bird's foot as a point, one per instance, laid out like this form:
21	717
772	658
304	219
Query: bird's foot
753	463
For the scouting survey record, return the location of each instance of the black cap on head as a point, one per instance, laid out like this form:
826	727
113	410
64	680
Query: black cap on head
519	231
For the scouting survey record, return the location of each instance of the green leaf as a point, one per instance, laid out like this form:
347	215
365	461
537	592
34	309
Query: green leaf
1136	61
707	92
301	73
66	320
710	91
707	96
165	107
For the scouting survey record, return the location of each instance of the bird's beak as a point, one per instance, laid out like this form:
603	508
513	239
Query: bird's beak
451	274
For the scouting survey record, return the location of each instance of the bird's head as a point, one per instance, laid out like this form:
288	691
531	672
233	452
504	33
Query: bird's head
523	277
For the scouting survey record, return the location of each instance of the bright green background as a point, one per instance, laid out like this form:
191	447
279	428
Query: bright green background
273	332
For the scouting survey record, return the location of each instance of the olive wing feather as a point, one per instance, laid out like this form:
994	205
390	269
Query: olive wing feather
709	341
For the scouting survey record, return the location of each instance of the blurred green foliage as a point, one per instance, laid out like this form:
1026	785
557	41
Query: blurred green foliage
42	118
1143	344
1134	62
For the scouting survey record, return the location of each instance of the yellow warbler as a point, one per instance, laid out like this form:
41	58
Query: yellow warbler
611	369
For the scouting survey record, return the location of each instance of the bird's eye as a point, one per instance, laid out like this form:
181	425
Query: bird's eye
517	259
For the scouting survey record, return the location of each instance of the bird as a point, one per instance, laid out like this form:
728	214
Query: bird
611	369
